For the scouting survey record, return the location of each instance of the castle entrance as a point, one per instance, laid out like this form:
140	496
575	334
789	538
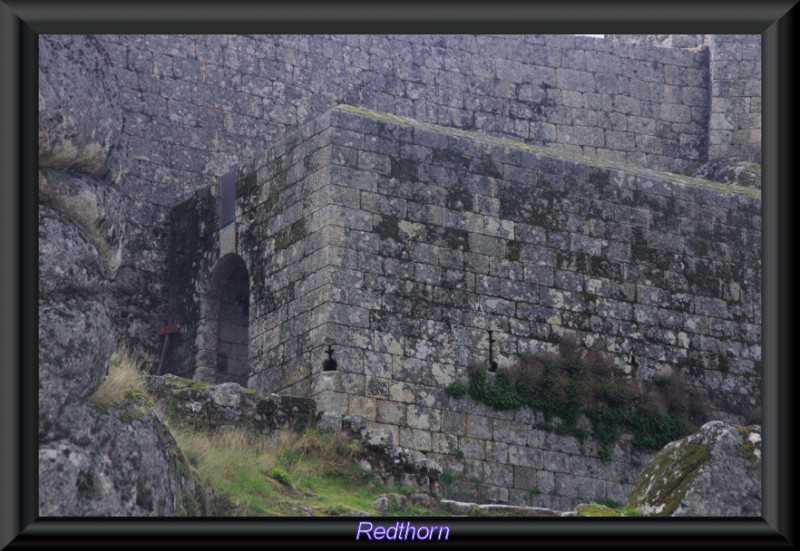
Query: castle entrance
227	323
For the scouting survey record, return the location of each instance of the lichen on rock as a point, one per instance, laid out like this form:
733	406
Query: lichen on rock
80	119
118	460
714	472
211	407
731	172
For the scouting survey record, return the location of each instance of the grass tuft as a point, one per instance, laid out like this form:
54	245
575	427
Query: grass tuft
126	379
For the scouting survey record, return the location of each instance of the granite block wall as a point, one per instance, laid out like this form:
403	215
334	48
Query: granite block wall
734	128
193	106
280	233
402	243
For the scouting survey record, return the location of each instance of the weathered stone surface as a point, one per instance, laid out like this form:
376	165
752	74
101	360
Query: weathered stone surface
378	437
434	238
714	472
457	507
354	423
515	511
121	461
194	110
96	209
425	500
80	118
76	337
228	404
732	172
398	465
388	502
329	420
636	261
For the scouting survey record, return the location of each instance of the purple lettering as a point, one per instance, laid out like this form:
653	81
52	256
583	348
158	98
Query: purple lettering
365	530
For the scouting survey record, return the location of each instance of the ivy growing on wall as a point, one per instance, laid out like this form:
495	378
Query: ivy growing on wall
580	382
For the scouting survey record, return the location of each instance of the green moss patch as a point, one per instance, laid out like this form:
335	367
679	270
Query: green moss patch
665	480
596	510
290	235
601	165
388	228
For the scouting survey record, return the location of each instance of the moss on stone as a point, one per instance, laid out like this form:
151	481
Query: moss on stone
723	363
748	450
456	239
290	235
459	199
86	484
513	250
665	480
388	228
596	510
677	179
386	117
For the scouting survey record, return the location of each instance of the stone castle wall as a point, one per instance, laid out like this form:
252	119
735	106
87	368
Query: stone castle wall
404	242
195	105
734	128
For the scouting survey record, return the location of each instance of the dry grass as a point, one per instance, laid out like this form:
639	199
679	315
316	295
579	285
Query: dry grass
126	375
81	210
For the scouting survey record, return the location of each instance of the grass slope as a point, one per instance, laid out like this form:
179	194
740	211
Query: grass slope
316	473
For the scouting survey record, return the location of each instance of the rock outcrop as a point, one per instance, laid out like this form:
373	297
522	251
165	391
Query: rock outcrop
229	405
79	115
714	472
115	459
76	339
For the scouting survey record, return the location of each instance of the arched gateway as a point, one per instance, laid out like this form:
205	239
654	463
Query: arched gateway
223	354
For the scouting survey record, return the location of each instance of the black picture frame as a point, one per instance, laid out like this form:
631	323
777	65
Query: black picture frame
22	21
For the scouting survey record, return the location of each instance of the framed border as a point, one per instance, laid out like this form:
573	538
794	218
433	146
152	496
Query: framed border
20	24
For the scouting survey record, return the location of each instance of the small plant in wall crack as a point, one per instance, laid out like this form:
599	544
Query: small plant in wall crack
459	453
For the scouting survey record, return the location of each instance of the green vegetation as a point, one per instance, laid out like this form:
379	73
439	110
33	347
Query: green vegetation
599	509
580	383
316	473
126	380
281	476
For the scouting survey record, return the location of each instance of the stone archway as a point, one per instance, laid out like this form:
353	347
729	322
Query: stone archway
224	330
